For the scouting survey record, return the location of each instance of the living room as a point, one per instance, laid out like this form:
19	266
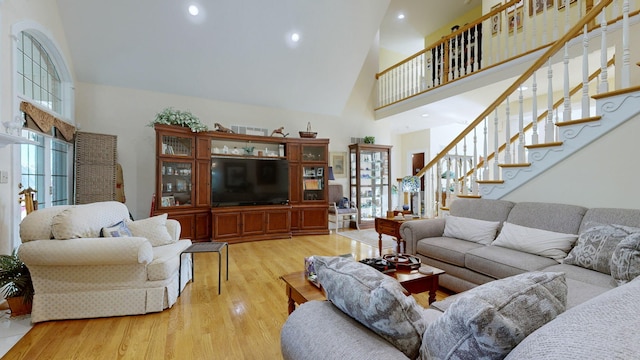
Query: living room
604	170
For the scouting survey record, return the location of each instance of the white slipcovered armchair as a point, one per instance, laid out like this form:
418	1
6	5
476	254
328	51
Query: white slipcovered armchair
77	273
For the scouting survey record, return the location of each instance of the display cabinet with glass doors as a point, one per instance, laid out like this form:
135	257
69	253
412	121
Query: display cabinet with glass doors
370	181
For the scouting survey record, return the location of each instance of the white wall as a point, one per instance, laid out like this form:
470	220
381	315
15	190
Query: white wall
44	13
126	112
604	174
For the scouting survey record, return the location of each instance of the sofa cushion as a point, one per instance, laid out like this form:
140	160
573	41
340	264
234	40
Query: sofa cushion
38	224
625	261
595	247
153	228
166	260
487	322
479	231
600	216
318	330
601	328
560	218
584	275
376	300
535	241
499	262
118	230
481	209
86	221
446	249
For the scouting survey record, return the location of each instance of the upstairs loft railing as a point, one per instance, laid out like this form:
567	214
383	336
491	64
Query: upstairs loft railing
537	94
506	32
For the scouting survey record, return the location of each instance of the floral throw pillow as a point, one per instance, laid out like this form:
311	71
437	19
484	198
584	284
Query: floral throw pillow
488	321
595	246
625	261
118	230
376	300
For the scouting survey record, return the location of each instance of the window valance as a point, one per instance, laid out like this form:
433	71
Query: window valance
45	121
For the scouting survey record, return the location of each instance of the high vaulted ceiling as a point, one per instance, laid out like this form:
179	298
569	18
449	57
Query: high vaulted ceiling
240	50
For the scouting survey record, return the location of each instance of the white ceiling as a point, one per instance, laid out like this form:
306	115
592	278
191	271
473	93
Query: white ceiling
422	17
238	50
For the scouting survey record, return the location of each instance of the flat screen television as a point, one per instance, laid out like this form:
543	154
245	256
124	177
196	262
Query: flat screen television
246	181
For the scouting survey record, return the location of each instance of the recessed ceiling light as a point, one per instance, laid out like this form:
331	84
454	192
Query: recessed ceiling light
425	115
295	37
400	16
193	10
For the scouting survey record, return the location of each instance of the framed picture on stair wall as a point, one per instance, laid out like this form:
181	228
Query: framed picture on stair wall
537	6
563	3
496	20
515	19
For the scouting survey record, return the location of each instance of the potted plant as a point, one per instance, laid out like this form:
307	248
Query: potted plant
171	116
15	281
369	139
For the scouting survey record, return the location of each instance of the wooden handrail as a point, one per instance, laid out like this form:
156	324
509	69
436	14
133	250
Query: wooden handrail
553	49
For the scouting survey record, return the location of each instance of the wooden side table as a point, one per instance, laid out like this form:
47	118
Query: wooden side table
391	227
300	290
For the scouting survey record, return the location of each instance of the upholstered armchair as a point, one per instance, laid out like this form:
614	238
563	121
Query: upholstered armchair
91	261
337	214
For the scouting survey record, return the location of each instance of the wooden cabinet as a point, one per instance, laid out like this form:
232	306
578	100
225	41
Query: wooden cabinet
182	180
245	223
213	183
308	194
370	181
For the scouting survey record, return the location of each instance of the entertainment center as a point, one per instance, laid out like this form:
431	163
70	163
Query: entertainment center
234	187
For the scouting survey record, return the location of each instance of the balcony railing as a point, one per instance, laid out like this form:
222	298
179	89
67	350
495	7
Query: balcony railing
506	32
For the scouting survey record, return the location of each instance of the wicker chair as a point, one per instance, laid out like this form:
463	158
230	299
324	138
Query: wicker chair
337	215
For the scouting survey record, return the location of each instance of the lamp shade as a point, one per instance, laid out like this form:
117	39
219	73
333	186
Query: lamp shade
410	184
331	177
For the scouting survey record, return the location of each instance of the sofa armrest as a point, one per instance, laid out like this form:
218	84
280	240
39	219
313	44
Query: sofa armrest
319	330
86	251
174	228
415	230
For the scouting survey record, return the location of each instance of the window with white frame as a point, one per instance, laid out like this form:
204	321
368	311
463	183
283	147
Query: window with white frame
47	165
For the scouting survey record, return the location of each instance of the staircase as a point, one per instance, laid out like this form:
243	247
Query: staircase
612	110
477	164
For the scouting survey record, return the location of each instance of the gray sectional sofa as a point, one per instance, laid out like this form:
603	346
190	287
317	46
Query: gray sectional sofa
469	264
601	314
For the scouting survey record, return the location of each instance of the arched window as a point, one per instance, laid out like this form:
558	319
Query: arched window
43	80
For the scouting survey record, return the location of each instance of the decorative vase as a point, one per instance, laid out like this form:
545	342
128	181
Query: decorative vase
405	207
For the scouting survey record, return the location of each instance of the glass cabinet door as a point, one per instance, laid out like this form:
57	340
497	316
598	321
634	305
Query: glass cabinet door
314	153
176	145
370	180
313	183
176	183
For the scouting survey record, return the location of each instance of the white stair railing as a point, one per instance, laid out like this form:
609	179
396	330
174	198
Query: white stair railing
506	32
451	174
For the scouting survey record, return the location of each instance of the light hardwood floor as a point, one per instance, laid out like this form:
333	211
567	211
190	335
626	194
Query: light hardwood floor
242	323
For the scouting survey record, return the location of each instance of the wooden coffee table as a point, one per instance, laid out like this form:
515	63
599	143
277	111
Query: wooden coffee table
299	290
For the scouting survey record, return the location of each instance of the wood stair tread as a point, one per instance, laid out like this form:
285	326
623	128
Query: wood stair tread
578	121
490	182
538	146
469	196
514	165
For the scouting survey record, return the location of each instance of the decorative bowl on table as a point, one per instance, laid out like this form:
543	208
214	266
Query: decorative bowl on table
308	134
